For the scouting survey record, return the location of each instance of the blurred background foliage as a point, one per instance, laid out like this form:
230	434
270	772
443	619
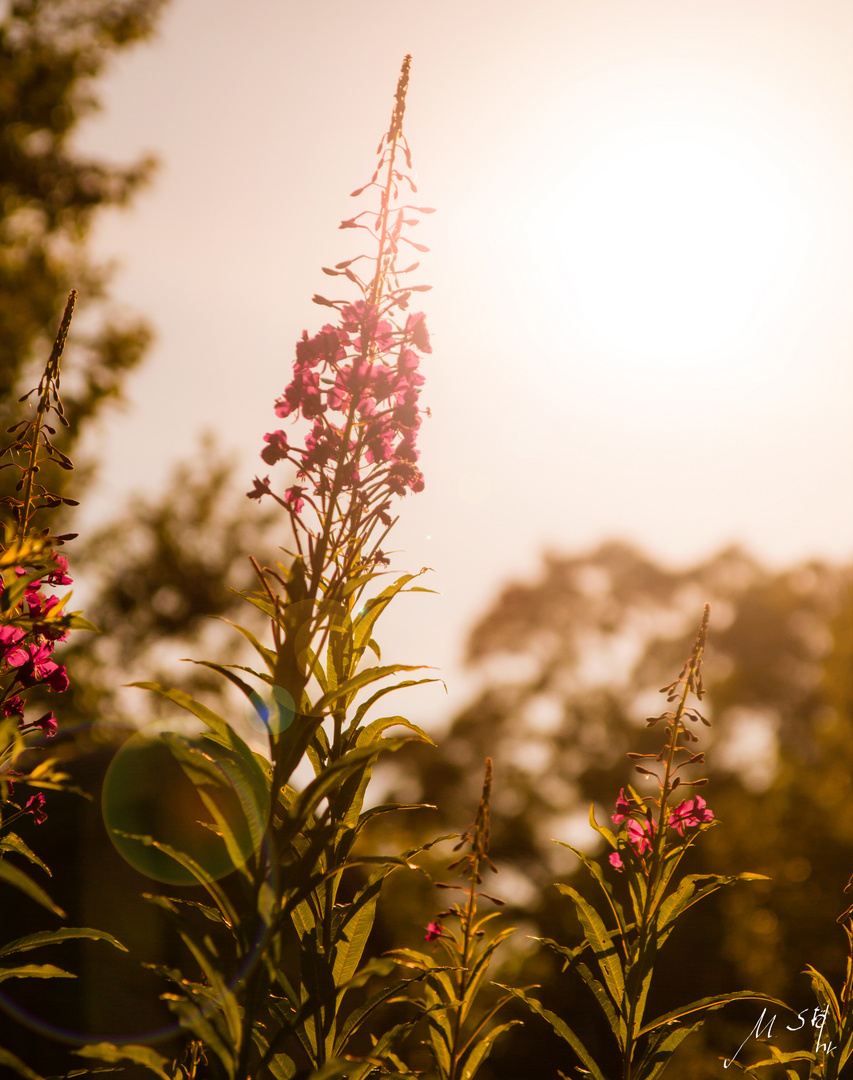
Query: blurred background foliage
568	663
570	666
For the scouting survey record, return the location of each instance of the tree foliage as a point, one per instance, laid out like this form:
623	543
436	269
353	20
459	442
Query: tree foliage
51	54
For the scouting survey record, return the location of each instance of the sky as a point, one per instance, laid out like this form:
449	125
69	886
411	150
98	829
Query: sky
641	260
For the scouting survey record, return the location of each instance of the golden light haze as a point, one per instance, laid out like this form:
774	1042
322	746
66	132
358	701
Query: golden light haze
642	261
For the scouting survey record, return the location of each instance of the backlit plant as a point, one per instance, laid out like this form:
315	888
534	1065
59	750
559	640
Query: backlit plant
278	989
32	622
616	958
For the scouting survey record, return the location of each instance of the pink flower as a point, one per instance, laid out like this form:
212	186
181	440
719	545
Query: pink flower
47	723
690	813
293	498
59	575
34	807
276	449
417	332
13	706
623	808
38	667
616	860
10	651
259	488
639	835
433	931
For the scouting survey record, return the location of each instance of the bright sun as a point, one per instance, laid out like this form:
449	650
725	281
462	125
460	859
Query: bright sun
663	238
672	244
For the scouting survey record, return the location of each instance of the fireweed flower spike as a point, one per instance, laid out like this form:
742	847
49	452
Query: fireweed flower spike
456	1027
343	446
32	622
354	395
617	955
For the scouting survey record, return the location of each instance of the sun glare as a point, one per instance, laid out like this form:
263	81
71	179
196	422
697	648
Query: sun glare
662	236
670	245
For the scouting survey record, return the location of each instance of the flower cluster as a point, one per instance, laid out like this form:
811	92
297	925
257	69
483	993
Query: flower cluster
353	400
346	370
640	828
25	651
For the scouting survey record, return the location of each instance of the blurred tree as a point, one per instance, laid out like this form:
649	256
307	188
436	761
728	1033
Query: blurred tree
570	665
51	53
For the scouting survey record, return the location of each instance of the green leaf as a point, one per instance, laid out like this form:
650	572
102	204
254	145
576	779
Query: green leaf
16	877
483	1047
223	733
268	655
598	874
600	938
190	1016
602	830
341	696
662	1046
824	992
614	1018
353	938
35	971
366	706
188	863
561	1028
715	1002
356	1018
168	903
373	730
50	937
13	842
139	1055
14	1062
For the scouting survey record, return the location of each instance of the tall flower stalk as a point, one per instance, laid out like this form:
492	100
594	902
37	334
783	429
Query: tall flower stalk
280	991
461	1032
653	837
32	621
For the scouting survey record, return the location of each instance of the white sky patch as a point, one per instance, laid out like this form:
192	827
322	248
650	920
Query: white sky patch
750	747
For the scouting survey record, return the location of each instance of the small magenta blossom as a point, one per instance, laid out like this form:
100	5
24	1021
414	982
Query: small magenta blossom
640	834
623	808
46	723
35	806
433	931
690	813
616	860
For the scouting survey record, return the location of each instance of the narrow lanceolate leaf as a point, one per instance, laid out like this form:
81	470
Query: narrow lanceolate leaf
221	731
200	874
35	971
364	623
483	1047
139	1055
614	1018
268	655
13	842
662	1046
595	870
366	706
50	937
562	1029
601	940
356	1018
14	1063
341	696
824	992
715	1002
16	877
